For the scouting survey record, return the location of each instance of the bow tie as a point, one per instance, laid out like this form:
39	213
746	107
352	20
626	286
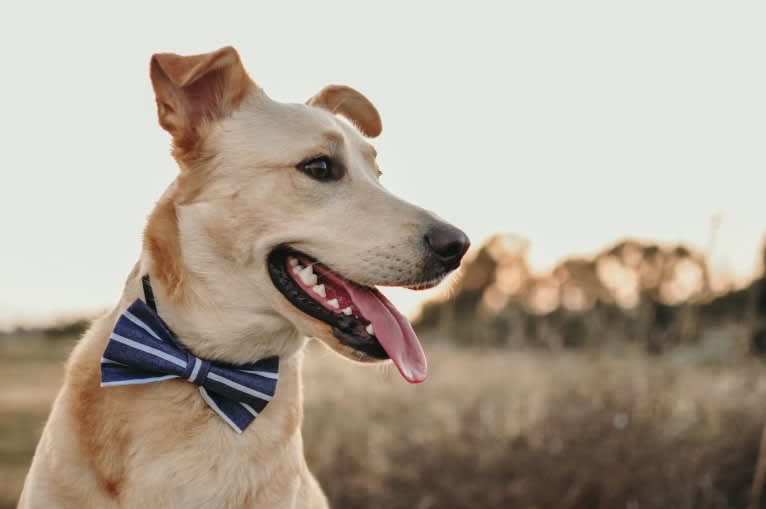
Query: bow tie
142	349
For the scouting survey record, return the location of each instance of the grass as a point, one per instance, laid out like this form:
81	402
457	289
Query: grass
488	429
30	373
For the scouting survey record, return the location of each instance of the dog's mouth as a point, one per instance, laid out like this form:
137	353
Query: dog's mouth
360	316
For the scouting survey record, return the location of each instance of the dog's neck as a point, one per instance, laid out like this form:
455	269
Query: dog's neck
202	296
213	327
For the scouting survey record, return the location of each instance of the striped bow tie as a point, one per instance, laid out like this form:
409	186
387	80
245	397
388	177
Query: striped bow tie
142	349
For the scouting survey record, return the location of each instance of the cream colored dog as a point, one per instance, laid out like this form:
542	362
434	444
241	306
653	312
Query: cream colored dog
276	229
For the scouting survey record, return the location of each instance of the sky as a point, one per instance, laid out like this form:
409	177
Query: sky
570	123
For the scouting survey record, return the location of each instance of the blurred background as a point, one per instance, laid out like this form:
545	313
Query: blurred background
602	345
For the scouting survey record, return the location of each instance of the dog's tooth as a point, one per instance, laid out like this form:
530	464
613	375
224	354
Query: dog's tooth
307	276
319	290
333	303
297	268
347	311
370	330
293	261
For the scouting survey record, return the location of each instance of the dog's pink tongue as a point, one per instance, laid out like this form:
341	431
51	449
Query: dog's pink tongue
393	331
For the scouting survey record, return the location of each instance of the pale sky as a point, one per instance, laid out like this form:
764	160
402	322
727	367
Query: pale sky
570	123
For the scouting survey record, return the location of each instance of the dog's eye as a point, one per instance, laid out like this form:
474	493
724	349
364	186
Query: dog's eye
321	168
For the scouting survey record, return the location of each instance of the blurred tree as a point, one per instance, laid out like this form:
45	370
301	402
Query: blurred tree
656	295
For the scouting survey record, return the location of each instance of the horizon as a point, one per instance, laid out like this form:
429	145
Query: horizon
721	284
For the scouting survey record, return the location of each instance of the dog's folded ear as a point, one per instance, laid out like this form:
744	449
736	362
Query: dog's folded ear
351	104
193	90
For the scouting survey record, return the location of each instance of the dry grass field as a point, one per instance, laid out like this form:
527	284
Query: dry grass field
489	429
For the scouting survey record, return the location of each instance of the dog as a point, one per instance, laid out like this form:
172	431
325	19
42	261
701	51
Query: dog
276	229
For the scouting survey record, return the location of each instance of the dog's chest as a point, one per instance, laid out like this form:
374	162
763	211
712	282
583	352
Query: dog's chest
216	471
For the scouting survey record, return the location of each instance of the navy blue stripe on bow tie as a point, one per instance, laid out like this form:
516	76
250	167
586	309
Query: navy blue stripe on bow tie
142	349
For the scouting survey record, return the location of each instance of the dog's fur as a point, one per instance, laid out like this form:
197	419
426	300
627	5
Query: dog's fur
237	197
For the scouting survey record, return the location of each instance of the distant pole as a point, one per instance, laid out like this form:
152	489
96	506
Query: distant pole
712	239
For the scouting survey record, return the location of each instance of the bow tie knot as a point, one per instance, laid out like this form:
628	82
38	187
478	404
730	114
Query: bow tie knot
196	369
142	349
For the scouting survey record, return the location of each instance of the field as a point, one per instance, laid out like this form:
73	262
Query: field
489	429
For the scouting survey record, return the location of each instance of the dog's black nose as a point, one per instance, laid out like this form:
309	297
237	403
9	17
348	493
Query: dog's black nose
448	243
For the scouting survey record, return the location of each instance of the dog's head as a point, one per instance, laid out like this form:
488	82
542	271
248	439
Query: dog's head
279	209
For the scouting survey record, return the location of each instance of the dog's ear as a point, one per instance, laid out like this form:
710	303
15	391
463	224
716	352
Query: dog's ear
193	90
351	104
